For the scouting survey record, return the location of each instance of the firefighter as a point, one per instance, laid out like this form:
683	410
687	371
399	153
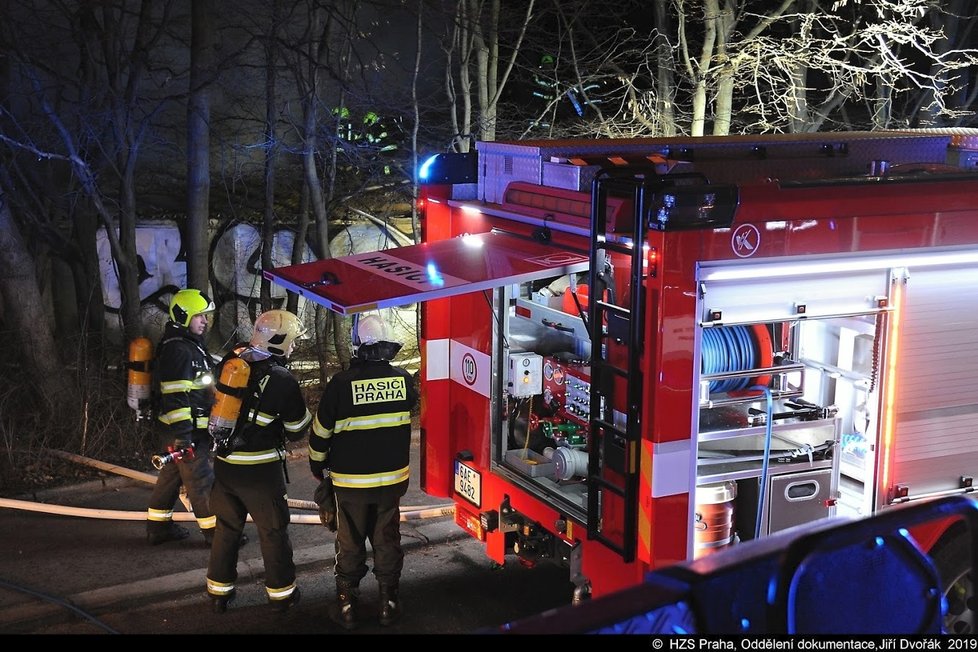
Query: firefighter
250	465
361	444
183	373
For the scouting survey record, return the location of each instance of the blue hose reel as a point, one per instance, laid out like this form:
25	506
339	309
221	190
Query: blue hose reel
729	349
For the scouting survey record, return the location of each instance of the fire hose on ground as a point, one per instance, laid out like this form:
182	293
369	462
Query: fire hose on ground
408	513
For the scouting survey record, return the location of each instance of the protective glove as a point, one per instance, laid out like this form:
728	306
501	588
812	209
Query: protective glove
183	449
328	519
326	500
317	468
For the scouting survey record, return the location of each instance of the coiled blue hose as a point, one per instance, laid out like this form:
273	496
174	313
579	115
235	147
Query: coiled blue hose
727	349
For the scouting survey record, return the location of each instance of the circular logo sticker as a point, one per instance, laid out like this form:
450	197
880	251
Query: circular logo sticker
745	240
469	369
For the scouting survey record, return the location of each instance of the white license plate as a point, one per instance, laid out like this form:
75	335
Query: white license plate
468	483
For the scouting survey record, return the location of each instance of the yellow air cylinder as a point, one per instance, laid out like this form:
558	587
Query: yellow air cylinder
139	384
229	394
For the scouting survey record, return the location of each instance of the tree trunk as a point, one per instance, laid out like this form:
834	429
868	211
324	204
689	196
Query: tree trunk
88	275
24	312
665	85
198	144
491	82
317	200
723	105
485	67
271	154
416	124
701	70
462	41
127	264
301	236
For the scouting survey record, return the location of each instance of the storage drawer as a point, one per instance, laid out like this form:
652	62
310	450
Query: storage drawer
796	498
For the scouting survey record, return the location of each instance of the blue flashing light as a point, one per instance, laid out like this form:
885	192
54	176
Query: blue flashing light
449	168
425	168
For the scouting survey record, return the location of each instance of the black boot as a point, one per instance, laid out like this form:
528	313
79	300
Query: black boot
347	595
157	533
281	606
220	603
390	604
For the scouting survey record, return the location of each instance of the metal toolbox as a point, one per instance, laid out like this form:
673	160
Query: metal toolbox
796	498
790	499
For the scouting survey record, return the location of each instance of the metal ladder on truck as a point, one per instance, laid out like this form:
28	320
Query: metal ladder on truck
613	458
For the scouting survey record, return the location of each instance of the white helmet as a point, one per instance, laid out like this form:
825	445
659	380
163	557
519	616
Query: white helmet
275	331
371	338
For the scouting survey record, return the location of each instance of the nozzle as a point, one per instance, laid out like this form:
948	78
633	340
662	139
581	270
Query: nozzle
174	455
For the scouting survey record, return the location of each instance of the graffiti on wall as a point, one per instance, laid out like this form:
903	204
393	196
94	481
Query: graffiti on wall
235	277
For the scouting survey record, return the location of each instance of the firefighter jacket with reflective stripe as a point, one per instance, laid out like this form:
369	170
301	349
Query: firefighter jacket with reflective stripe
184	373
363	426
273	411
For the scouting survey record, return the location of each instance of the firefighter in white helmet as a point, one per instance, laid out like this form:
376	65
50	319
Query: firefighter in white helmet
361	444
250	472
184	376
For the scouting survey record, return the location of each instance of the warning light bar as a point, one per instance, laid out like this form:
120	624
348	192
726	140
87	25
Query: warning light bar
675	208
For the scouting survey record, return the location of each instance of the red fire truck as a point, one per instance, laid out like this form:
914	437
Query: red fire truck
637	352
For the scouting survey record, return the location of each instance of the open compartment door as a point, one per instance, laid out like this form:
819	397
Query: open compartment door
433	270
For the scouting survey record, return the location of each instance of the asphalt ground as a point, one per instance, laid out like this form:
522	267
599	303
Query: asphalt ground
75	561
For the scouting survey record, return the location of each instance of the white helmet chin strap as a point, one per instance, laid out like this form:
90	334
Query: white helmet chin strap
258	354
356	330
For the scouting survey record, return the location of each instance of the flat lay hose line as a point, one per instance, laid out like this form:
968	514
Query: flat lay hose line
434	511
408	512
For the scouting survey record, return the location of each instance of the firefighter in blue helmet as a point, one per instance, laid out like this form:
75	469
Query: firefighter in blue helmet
250	465
184	378
360	451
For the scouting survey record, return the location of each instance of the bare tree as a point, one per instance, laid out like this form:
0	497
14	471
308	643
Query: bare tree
271	147
97	116
416	122
475	66
20	290
125	57
796	66
198	143
954	88
721	66
665	83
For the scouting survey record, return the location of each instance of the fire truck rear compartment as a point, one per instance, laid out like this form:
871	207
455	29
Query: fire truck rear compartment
789	387
840	331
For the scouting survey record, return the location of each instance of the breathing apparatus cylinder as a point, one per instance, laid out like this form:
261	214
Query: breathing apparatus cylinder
140	377
227	404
